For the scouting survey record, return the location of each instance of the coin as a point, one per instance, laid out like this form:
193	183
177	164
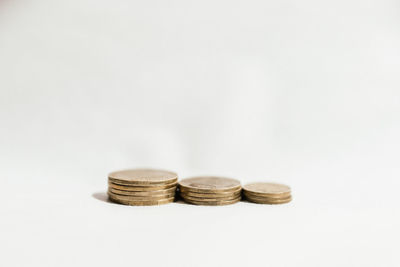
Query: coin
209	184
212	203
208	195
267	189
142	177
208	199
142	203
211	195
141	188
220	193
143	193
269	201
139	198
249	194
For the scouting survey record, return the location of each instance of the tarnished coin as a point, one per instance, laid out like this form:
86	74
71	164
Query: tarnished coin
208	199
213	203
270	200
207	195
142	188
139	198
143	203
208	184
143	193
267	190
143	177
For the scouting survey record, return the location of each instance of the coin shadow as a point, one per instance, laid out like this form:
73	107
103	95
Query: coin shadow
102	196
180	202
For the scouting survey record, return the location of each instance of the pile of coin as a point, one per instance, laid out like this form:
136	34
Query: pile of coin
212	191
267	193
142	187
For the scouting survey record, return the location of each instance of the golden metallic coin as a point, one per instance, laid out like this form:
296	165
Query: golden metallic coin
210	199
139	198
248	194
210	196
143	193
141	188
143	203
143	177
221	193
212	203
267	189
209	184
270	200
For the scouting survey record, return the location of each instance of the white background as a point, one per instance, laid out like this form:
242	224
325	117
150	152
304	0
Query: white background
305	93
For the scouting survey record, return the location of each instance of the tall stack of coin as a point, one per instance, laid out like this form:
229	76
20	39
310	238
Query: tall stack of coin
267	193
212	191
142	187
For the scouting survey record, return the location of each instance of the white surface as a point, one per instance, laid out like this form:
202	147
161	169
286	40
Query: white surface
299	92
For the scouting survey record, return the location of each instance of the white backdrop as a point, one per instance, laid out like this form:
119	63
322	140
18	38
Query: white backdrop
305	93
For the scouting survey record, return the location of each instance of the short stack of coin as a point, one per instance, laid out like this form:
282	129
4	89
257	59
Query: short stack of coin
142	187
211	191
267	193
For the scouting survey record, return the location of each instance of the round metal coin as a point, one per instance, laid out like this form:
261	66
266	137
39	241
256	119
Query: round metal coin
139	198
221	193
209	196
143	203
269	200
141	188
249	194
143	177
267	189
212	203
209	184
186	197
143	193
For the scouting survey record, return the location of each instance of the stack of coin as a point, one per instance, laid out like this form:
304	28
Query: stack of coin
212	191
142	187
267	193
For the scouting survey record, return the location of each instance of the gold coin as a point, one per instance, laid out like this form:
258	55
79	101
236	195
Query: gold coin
139	198
209	184
220	193
267	189
212	203
270	200
209	199
142	203
143	177
211	196
141	188
248	194
143	193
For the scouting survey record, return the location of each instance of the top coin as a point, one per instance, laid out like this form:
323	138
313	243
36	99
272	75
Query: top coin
142	176
267	189
209	184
